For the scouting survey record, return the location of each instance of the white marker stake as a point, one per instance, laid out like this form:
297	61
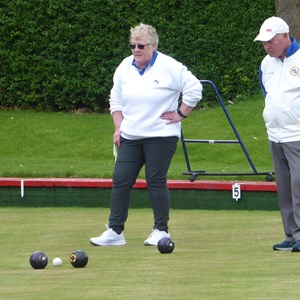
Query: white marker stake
22	188
236	192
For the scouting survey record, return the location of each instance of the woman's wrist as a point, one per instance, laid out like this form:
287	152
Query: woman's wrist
181	114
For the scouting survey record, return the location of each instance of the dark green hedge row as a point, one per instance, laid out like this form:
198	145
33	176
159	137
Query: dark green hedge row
61	54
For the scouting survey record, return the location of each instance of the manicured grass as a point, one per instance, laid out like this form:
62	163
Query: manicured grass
39	144
218	255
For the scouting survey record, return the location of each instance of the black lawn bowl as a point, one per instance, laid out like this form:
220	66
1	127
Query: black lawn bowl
165	245
79	259
38	260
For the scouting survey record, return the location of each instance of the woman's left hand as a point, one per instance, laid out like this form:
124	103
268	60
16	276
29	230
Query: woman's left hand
172	116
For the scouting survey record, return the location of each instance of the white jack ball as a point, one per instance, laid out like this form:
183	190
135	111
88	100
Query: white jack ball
57	262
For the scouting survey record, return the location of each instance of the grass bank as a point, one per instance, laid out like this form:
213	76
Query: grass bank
40	144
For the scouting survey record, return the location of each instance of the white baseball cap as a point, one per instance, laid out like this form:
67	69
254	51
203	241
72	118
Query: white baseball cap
270	28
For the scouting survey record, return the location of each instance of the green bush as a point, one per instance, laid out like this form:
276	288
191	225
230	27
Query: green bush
61	55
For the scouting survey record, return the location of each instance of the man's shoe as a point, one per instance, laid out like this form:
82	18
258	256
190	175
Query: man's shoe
154	237
285	245
296	247
108	238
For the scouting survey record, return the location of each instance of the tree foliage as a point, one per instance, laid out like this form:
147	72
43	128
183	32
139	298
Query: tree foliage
61	55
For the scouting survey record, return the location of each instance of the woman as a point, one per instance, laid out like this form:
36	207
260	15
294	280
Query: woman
144	106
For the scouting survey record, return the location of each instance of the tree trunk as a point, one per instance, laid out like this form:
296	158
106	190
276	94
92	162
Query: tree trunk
289	10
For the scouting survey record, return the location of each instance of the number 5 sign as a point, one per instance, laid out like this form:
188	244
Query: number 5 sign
236	192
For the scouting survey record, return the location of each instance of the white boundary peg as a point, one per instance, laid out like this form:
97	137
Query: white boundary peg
22	188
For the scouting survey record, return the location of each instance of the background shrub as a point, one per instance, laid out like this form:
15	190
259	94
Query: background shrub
61	55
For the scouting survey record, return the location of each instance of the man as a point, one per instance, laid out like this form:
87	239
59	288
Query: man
280	82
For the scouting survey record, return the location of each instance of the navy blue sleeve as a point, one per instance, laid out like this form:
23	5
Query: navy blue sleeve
261	83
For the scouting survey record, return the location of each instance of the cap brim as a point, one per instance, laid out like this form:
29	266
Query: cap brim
264	37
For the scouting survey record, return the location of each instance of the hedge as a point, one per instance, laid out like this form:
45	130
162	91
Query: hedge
61	55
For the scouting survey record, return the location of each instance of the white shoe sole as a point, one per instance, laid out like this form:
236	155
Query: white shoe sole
116	243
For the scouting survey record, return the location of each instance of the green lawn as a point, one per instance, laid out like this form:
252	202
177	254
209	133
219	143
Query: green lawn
218	255
42	144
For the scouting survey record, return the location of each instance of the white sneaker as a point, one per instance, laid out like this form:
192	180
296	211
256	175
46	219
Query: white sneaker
154	237
108	238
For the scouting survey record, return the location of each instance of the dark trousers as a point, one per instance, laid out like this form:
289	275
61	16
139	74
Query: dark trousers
286	159
156	155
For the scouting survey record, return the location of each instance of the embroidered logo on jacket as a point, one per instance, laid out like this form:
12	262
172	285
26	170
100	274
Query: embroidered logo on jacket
295	71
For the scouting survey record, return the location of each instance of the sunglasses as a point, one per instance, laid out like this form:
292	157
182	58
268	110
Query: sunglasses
140	46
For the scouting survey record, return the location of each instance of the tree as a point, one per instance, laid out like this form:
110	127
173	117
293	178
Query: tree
289	10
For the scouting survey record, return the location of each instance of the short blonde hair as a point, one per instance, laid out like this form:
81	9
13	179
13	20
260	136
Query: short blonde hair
144	30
